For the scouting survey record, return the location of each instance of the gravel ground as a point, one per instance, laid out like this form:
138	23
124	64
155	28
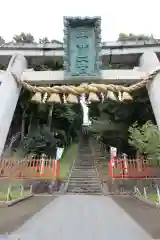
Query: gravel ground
146	216
71	217
13	217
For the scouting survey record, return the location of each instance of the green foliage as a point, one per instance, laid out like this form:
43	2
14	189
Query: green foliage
43	40
66	111
23	38
146	139
134	37
40	141
2	41
111	126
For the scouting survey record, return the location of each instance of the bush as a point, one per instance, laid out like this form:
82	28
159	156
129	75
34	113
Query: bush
146	139
40	141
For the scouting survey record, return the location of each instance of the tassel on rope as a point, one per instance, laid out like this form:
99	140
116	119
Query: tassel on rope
37	97
54	97
126	97
72	98
120	96
45	97
93	97
111	96
64	98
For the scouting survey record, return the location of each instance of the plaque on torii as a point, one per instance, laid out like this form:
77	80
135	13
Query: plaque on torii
82	53
82	47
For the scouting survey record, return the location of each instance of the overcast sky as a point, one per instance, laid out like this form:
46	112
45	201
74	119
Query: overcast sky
45	18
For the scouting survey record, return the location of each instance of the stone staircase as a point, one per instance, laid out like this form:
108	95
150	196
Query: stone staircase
84	176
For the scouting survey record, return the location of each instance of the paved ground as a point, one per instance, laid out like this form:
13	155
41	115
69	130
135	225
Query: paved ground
146	216
80	217
13	217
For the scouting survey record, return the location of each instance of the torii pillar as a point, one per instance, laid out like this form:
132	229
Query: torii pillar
9	94
148	62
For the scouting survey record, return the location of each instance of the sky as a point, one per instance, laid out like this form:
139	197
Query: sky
45	18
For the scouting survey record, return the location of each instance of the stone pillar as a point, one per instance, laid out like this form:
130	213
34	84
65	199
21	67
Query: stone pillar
9	94
148	62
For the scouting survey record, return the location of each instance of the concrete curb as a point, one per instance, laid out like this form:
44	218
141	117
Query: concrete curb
12	202
149	202
64	186
104	188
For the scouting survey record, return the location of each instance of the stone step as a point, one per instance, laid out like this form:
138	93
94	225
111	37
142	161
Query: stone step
91	170
85	159
86	155
96	194
85	186
89	161
84	168
85	151
79	181
89	174
87	168
78	166
83	174
85	163
79	190
83	178
89	180
85	181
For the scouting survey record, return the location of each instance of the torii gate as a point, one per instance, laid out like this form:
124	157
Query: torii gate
82	60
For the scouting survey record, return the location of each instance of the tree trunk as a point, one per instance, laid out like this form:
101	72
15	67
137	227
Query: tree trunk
50	116
138	160
23	125
22	128
30	122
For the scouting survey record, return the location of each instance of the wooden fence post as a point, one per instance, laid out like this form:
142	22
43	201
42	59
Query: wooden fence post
158	193
22	190
42	165
9	193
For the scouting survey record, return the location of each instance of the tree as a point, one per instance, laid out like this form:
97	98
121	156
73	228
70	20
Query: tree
39	141
44	40
23	38
56	41
134	37
146	139
2	41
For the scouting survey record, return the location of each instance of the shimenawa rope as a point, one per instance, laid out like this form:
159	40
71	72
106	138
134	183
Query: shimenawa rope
94	88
